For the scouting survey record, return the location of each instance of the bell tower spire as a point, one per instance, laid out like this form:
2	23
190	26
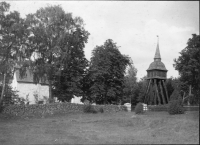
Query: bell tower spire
156	92
157	54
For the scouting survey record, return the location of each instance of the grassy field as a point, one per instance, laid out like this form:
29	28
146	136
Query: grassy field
102	128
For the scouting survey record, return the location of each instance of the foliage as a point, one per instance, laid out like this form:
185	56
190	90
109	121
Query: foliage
36	97
173	84
57	42
138	91
1	107
86	84
175	107
181	92
18	100
89	109
130	86
45	99
9	96
101	110
141	89
170	85
70	81
188	65
13	38
158	107
125	108
106	74
192	100
139	108
175	95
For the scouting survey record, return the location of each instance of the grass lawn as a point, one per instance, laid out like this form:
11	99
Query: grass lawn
102	128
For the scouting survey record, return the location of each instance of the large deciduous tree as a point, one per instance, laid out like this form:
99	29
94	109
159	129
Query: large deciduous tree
188	65
106	73
57	40
13	39
70	80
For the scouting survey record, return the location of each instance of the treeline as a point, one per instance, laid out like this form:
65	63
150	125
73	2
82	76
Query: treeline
51	42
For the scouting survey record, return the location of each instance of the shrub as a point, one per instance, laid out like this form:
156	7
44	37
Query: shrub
124	108
89	109
101	110
175	95
1	108
9	94
18	100
175	107
139	108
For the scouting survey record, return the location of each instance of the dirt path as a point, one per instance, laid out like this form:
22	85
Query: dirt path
105	128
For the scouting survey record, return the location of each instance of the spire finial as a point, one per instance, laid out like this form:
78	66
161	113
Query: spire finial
158	39
157	54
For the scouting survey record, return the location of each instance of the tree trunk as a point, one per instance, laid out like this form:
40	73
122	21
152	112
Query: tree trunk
183	98
188	102
5	73
3	87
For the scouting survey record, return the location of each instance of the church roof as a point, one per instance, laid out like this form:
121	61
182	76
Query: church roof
29	78
157	64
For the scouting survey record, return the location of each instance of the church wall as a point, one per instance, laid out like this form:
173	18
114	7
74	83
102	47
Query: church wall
27	90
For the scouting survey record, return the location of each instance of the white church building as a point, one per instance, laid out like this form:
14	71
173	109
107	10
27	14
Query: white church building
29	90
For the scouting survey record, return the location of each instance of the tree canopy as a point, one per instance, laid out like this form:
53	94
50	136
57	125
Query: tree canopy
57	40
13	38
106	73
50	43
188	64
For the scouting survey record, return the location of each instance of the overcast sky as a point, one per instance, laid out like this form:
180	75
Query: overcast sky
133	25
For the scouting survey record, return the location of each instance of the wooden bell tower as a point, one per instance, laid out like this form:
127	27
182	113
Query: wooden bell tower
156	92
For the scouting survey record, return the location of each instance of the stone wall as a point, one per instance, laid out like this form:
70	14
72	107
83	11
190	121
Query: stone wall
44	109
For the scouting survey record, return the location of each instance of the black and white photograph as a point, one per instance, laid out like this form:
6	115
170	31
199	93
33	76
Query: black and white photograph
99	72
